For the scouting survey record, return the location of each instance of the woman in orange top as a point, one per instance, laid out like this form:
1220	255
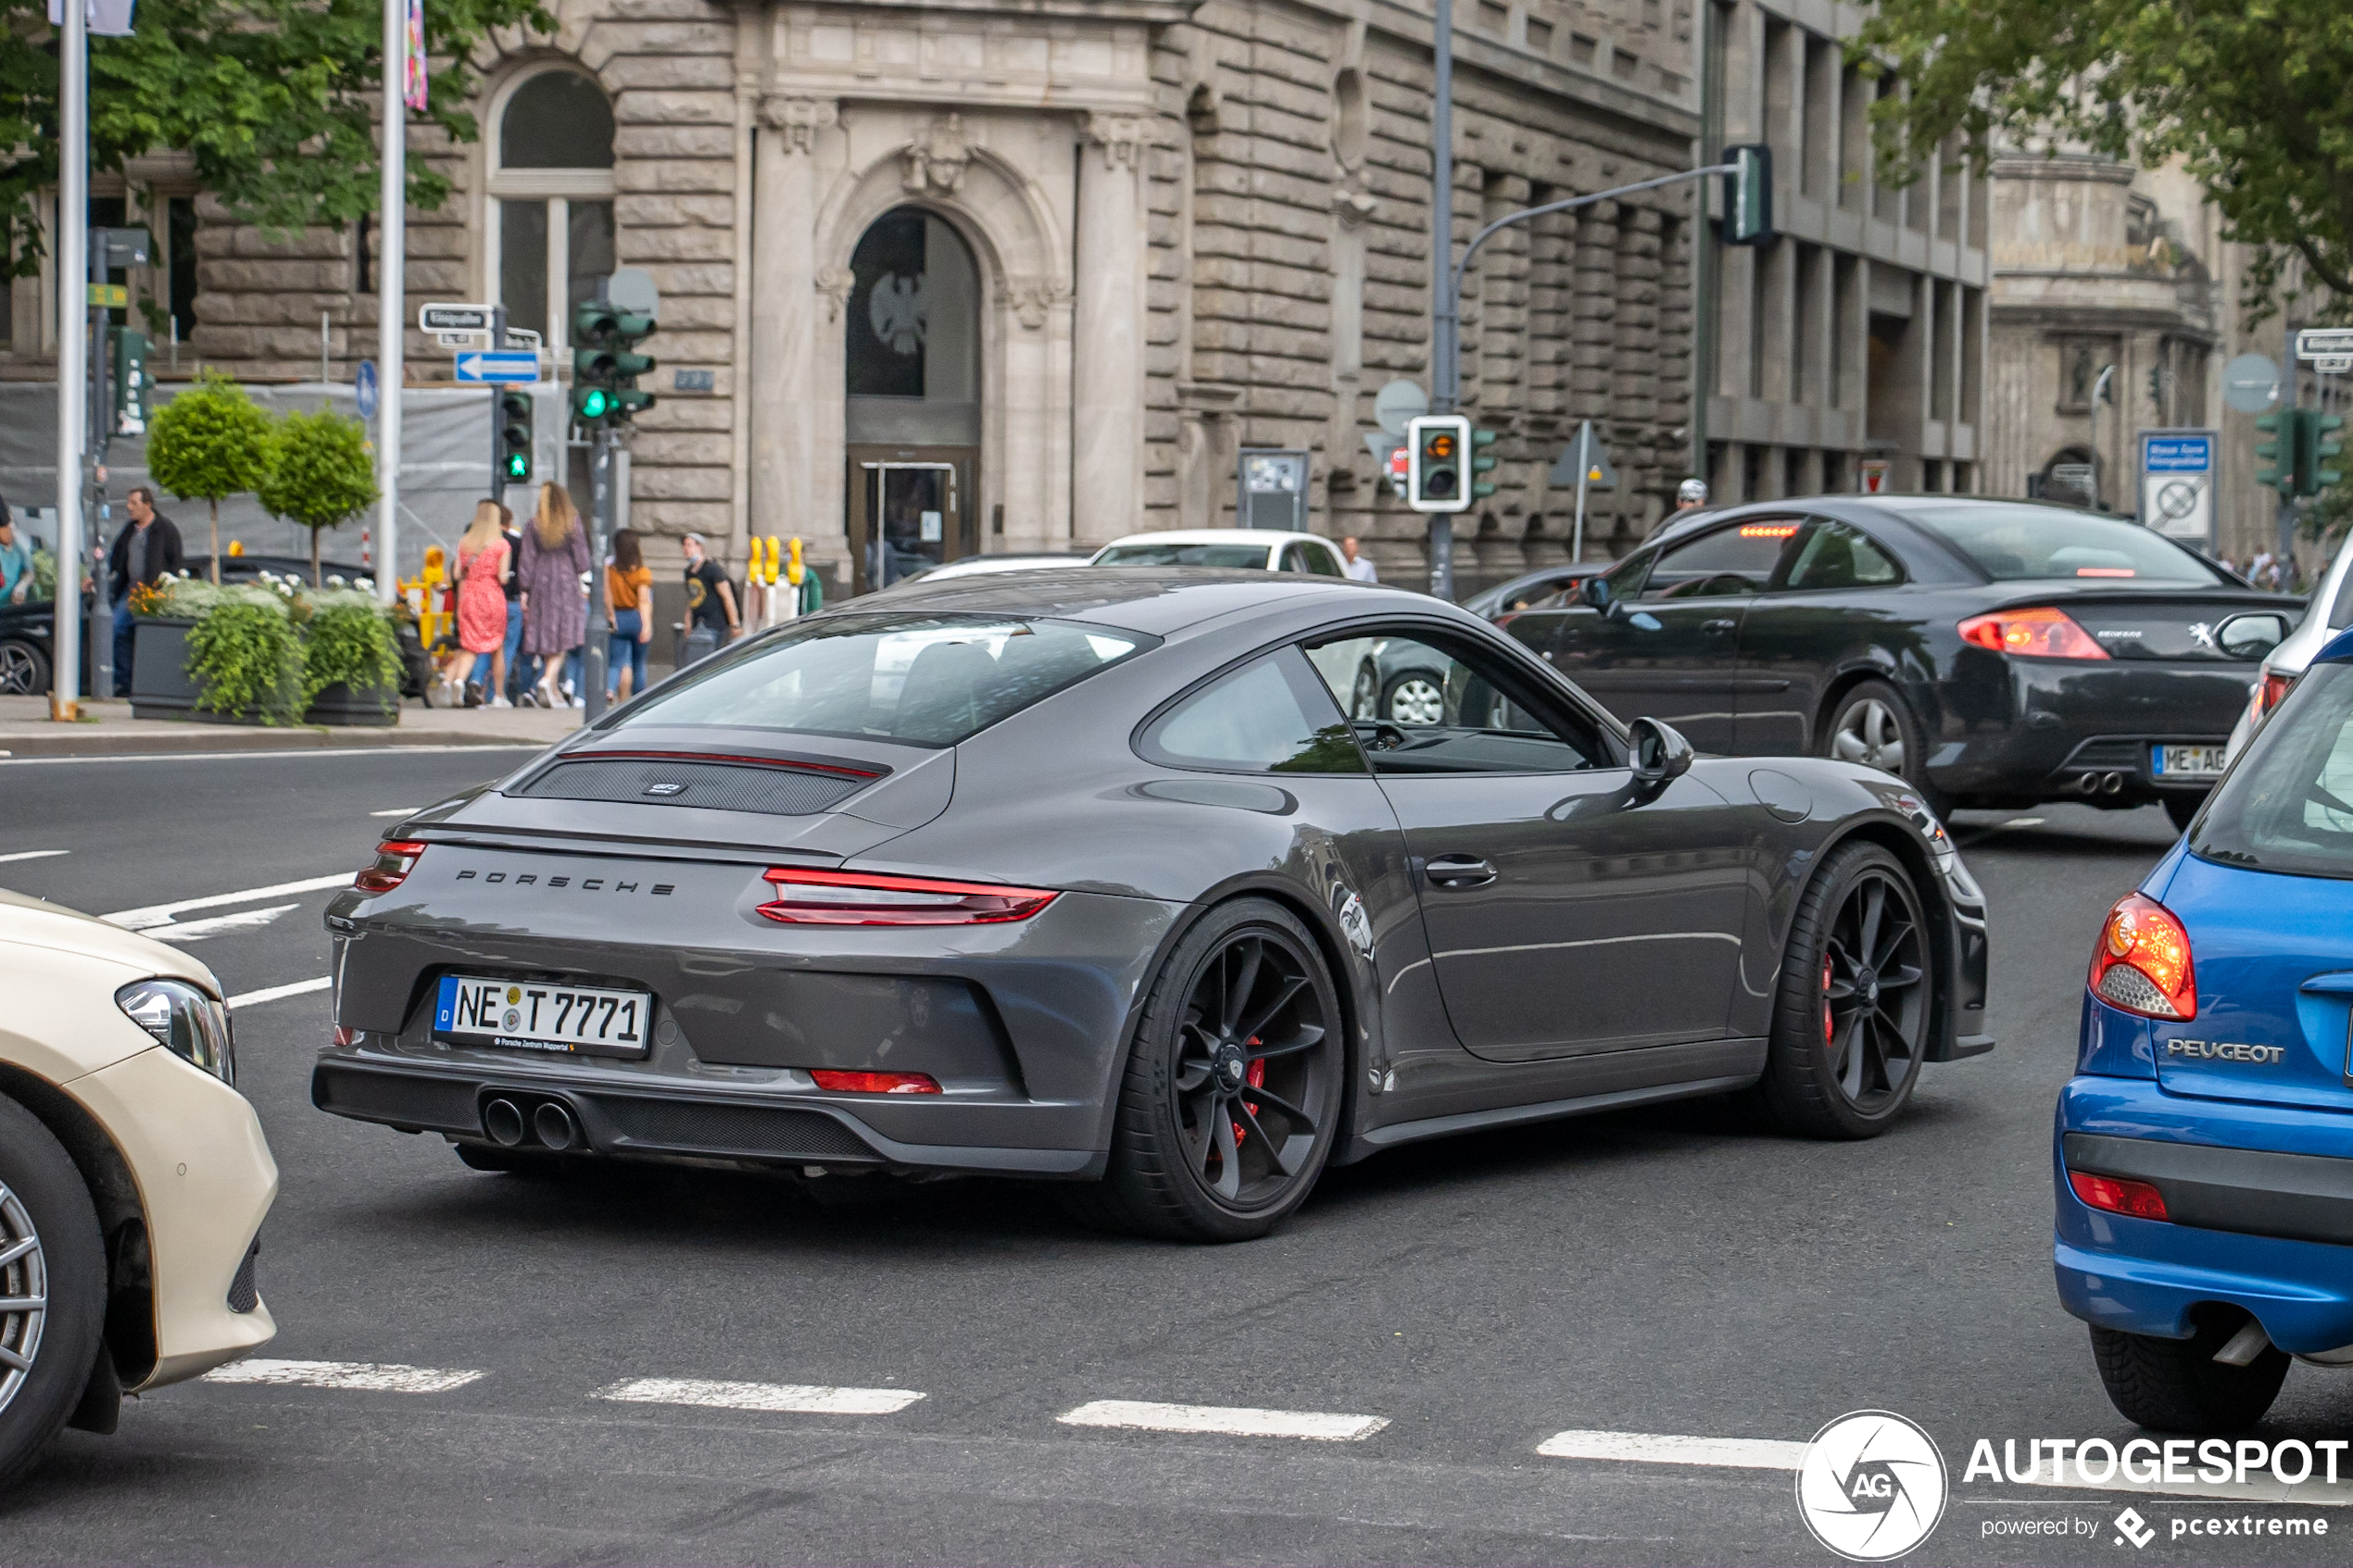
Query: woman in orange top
629	616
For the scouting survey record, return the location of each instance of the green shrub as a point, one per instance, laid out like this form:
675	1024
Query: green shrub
209	442
349	639
322	474
245	657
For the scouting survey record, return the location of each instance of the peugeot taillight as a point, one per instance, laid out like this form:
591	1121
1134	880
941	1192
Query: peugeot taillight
396	858
816	898
2118	1196
2037	632
2270	691
2143	961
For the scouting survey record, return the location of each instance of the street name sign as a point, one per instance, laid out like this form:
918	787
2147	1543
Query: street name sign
518	366
2314	342
472	320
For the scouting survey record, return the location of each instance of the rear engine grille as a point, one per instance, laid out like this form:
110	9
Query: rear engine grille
244	1294
396	1098
721	787
733	1129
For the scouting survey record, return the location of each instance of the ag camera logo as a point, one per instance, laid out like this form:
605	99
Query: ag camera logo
1871	1486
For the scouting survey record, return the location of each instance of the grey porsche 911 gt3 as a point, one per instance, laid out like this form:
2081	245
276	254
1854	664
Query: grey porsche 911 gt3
1094	875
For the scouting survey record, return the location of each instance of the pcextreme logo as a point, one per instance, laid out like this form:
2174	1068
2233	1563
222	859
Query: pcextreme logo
1871	1486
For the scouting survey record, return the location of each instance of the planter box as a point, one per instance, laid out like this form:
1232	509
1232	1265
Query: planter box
159	684
338	705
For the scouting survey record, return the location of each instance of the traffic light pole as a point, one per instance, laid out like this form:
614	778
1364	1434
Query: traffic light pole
2286	519
498	412
600	509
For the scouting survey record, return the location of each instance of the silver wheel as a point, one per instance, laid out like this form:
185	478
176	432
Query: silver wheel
1415	700
1366	695
20	670
24	1295
1870	732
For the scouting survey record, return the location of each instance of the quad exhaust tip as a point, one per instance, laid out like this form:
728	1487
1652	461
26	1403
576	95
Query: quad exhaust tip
554	1125
503	1122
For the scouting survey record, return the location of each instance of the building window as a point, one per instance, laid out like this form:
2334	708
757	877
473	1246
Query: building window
551	188
180	242
1932	476
1942	328
1841	332
1815	136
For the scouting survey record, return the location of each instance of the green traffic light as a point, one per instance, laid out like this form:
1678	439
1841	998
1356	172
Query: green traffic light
517	465
592	403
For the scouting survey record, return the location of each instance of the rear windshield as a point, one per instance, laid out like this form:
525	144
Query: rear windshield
2014	543
931	680
1248	556
2288	805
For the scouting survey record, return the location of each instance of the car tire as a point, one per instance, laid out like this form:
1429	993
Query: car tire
1870	724
1182	1166
2177	1386
2183	809
1853	1013
24	670
1412	697
43	1201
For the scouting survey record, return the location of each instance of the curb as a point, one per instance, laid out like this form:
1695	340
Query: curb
209	738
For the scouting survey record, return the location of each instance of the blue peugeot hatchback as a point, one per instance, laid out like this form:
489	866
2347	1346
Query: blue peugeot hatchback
2205	1146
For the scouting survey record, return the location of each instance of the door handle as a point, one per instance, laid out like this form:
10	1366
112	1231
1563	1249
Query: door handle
1717	626
1459	870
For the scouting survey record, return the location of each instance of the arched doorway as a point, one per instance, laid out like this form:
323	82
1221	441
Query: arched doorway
912	375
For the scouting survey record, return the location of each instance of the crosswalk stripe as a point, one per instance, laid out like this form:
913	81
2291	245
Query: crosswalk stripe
1232	1420
370	1376
216	926
151	915
280	993
797	1397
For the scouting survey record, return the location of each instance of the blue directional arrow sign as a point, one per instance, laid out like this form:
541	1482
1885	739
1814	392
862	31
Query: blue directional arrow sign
499	365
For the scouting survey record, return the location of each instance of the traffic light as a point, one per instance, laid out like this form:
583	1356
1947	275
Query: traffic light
2315	445
2276	451
1748	195
1437	454
1480	463
515	409
606	364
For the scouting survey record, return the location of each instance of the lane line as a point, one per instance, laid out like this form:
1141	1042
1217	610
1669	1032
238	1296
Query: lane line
280	993
800	1398
8	761
397	811
32	854
1648	1448
1232	1420
216	926
152	915
374	1377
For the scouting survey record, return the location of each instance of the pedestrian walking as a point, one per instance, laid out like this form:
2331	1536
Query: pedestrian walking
506	669
628	616
483	567
554	615
16	562
146	552
1360	569
710	598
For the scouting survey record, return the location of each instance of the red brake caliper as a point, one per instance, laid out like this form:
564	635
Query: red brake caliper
1255	1077
1826	1001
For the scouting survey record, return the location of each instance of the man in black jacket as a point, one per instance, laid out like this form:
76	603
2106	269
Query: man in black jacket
146	550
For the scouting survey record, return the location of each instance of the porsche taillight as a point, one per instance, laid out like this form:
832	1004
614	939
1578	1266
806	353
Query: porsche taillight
2143	961
396	858
817	898
2037	632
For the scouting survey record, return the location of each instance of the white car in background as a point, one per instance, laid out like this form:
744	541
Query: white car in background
2327	612
989	565
134	1177
1250	549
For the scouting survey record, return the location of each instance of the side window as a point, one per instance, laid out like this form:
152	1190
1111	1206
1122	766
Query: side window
1320	560
1426	704
1836	556
1270	716
1738	559
1289	561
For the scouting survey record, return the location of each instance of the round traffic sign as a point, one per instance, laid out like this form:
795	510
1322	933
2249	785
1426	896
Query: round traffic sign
1398	405
2251	384
2177	499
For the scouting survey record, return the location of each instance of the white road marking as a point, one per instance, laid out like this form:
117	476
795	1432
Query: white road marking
800	1398
369	1376
1235	1421
1647	1448
280	993
8	761
2021	822
153	915
216	925
32	853
396	811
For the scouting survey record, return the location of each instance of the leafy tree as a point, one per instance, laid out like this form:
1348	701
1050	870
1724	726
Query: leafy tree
209	442
322	474
2255	96
277	100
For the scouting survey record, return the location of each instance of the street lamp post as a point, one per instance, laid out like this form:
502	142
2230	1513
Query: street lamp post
391	249
1445	303
73	243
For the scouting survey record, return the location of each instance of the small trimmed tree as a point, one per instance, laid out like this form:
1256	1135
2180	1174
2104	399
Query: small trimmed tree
209	442
322	474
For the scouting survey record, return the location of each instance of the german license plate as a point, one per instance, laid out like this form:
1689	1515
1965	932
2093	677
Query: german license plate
2186	761
538	1016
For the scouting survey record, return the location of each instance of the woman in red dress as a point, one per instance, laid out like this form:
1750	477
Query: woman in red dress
483	567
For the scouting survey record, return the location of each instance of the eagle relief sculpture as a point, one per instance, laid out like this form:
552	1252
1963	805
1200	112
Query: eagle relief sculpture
896	312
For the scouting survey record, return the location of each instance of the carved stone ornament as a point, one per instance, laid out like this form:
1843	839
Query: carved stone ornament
835	282
1352	206
798	118
1031	298
936	158
1121	136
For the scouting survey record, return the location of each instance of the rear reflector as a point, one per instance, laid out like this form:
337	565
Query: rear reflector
814	897
2118	1196
396	858
2037	632
875	1083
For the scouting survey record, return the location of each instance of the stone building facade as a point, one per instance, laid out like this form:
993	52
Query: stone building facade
953	275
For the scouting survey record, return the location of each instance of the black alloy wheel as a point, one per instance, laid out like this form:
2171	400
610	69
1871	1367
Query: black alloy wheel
1851	1022
1231	1098
24	670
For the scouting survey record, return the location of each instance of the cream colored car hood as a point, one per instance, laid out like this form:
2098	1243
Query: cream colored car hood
59	968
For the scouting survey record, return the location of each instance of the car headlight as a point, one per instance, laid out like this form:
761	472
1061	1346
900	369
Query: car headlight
185	1021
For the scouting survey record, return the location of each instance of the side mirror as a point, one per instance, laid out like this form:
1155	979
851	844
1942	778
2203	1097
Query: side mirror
1660	755
2253	634
1597	593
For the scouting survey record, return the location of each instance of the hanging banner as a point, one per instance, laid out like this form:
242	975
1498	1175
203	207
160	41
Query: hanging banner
413	84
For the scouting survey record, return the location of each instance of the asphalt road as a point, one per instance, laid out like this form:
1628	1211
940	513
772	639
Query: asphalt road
1668	1271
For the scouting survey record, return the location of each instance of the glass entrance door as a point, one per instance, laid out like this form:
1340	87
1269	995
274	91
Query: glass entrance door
907	513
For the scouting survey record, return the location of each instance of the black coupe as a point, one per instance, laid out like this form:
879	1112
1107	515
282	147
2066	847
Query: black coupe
1993	653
